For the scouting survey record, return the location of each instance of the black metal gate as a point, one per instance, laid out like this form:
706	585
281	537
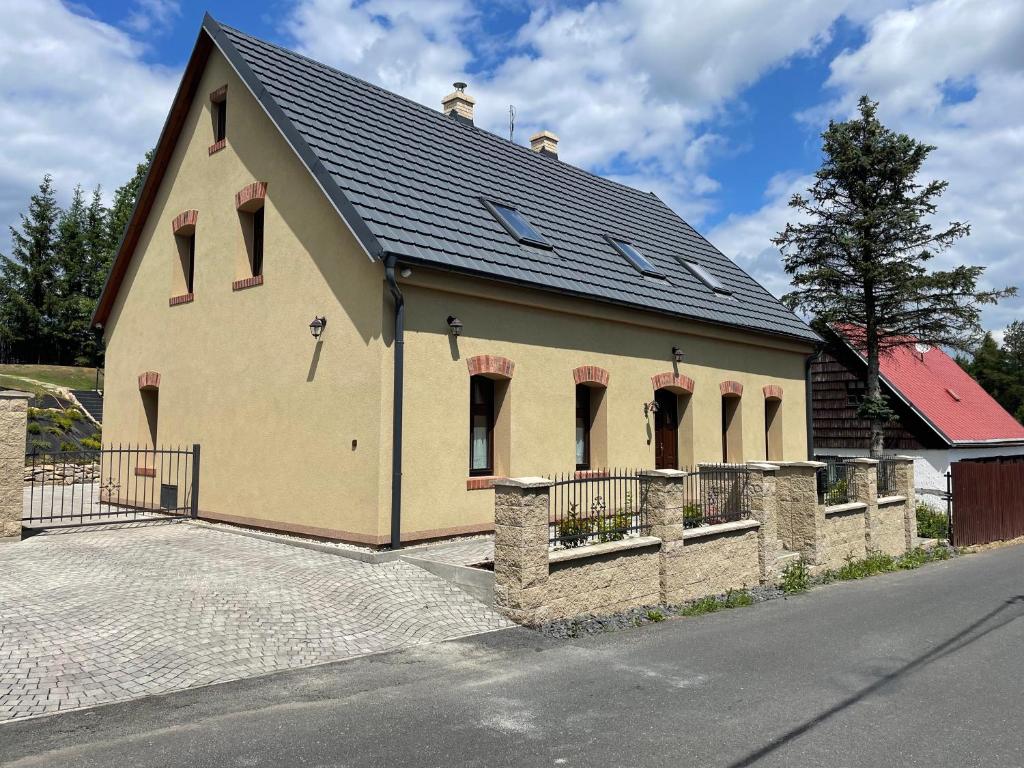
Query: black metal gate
110	485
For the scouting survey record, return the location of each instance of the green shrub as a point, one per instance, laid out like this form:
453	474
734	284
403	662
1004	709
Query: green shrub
91	443
837	492
34	428
74	414
692	516
39	446
930	524
572	531
655	616
63	422
52	430
35	413
612	528
68	446
795	577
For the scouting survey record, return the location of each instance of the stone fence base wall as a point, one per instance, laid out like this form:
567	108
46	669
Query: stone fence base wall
890	529
675	564
601	583
845	535
713	564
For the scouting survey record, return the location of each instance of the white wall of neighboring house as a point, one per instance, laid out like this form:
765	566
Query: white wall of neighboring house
931	466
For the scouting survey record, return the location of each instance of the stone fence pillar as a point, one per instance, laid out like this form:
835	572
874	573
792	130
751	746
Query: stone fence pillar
863	489
905	487
801	520
520	546
764	507
13	417
665	502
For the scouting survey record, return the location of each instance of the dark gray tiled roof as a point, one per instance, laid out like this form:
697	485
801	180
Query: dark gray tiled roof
416	178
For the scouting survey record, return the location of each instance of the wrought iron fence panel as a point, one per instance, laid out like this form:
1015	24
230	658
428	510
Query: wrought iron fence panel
886	477
597	506
834	481
110	485
715	493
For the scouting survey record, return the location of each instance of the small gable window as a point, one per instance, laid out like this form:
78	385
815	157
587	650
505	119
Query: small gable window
219	113
637	259
705	276
517	225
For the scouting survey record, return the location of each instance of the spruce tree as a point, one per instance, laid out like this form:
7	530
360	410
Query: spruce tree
859	256
28	277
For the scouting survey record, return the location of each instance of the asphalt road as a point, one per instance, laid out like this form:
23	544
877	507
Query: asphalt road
922	668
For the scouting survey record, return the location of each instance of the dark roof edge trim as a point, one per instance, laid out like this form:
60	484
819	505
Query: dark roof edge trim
892	388
406	259
294	139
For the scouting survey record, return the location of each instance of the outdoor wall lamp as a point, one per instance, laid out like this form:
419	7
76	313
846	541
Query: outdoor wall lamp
651	407
454	325
317	326
677	354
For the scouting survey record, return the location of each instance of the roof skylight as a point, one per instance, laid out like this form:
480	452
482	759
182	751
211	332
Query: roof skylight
517	225
702	274
636	258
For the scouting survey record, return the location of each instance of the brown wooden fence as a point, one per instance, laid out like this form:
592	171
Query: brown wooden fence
988	502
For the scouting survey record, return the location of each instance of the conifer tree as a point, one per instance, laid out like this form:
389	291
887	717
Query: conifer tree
859	257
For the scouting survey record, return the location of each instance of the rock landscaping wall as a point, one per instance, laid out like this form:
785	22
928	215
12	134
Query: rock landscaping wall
62	474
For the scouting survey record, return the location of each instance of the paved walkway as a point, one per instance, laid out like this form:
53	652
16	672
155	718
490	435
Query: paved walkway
91	617
469	551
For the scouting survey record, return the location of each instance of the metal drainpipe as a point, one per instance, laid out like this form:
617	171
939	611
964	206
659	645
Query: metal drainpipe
397	405
809	399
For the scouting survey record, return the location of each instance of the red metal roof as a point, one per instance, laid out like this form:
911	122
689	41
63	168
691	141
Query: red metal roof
943	392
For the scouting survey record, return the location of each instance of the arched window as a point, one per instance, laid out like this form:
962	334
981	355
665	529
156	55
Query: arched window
732	422
481	425
591	434
773	422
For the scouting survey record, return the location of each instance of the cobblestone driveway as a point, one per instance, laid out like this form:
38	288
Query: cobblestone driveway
106	615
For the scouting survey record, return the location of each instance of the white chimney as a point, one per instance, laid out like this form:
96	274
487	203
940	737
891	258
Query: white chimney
459	104
545	142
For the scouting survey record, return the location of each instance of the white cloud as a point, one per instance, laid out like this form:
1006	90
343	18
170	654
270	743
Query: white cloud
153	16
625	83
76	100
949	73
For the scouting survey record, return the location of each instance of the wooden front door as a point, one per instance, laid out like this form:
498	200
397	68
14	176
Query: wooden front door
666	430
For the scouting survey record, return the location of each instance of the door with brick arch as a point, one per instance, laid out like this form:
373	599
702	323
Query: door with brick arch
666	430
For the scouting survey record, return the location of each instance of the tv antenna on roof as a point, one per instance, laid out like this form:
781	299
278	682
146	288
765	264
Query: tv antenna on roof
511	121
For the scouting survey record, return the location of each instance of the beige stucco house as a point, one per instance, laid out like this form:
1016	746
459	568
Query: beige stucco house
486	310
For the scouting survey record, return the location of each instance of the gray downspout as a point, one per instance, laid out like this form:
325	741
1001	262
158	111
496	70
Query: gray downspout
809	399
397	405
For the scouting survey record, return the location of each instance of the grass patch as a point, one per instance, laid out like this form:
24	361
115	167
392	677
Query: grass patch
877	563
69	376
734	598
655	616
930	524
9	382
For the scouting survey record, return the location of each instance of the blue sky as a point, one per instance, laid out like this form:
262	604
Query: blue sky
717	107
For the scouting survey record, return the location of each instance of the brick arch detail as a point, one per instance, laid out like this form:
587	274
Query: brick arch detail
675	382
149	380
772	392
185	222
492	366
251	196
590	374
731	389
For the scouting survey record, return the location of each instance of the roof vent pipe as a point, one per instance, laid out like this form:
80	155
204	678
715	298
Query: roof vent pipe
544	142
458	104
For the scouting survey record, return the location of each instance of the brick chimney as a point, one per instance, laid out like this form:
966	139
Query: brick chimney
544	142
458	104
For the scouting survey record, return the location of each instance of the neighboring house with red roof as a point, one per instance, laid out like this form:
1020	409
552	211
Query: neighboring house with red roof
942	414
